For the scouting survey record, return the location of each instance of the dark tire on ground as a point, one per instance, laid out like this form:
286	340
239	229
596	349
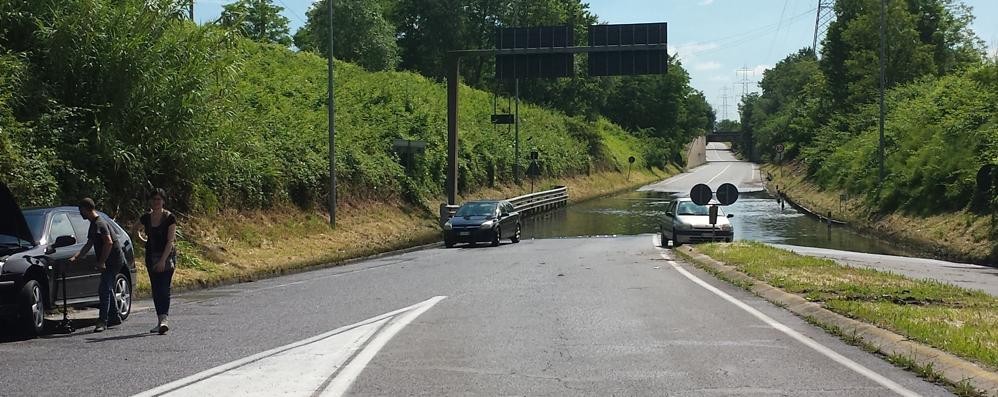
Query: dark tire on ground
123	295
496	237
675	240
516	236
449	244
31	308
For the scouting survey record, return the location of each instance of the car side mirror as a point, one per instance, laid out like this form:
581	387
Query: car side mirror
64	241
731	215
668	214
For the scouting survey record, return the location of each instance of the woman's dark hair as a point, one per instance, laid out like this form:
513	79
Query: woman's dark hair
157	192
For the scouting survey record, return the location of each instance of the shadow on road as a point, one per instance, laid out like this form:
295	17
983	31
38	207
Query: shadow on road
121	337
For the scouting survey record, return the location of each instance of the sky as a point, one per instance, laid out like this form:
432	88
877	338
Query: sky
724	44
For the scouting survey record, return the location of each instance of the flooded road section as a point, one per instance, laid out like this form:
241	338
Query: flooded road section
757	217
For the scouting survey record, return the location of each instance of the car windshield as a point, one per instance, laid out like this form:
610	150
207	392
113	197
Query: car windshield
477	209
691	208
35	221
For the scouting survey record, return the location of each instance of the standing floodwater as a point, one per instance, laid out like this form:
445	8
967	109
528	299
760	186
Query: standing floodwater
757	217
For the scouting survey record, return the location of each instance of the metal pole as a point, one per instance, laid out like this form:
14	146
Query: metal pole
516	144
191	9
453	69
883	83
331	115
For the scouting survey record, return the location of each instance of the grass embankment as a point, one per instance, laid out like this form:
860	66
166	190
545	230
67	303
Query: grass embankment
242	246
961	235
949	318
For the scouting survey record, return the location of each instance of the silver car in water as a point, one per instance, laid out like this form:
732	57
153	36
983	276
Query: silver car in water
688	222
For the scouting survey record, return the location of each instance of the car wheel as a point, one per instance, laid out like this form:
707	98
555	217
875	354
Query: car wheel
449	244
32	308
516	236
675	239
123	296
496	237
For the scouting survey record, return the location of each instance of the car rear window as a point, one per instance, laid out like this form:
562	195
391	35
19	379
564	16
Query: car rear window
477	209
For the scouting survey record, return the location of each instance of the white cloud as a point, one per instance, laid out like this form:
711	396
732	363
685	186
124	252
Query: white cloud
687	51
708	65
706	2
758	70
720	78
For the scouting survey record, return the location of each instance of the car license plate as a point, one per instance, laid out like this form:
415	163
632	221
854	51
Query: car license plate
464	234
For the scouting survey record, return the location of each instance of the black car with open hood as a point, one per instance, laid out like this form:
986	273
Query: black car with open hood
35	247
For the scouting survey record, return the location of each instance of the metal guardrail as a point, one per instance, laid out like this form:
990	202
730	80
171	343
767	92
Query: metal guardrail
527	204
541	201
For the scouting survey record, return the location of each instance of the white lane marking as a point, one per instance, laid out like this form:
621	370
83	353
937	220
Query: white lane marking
843	360
325	364
719	173
341	383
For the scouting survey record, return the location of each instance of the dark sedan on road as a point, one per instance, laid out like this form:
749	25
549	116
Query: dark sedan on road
483	221
35	246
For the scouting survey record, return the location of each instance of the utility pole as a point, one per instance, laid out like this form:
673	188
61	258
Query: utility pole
826	12
744	73
724	103
516	138
191	9
331	116
883	84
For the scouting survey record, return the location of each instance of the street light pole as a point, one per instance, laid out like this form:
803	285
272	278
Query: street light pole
883	84
331	116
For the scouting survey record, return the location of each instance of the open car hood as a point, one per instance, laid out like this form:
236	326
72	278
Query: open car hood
12	221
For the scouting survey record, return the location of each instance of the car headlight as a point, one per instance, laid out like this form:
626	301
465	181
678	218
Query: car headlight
726	228
487	225
448	226
683	226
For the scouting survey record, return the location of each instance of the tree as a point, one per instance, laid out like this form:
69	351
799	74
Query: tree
361	33
259	20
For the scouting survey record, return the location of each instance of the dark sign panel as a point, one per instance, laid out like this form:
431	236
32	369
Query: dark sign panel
701	194
527	66
624	62
503	119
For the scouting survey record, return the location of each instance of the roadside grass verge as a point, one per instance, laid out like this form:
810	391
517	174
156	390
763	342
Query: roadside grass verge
237	246
961	235
949	318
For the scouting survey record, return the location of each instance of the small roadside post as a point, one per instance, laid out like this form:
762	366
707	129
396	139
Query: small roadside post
630	161
779	154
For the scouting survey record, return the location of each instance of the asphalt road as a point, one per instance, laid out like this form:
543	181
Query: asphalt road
965	275
722	167
598	316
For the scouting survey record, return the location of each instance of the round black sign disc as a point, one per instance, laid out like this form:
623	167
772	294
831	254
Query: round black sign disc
727	194
701	194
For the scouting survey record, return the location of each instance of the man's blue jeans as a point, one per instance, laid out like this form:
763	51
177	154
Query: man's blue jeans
108	305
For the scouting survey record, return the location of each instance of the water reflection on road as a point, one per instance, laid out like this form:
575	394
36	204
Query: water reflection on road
757	217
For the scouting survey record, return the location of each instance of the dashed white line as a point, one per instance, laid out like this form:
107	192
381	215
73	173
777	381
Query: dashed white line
843	360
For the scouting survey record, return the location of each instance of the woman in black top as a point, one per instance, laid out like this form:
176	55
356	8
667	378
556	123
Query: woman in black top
160	230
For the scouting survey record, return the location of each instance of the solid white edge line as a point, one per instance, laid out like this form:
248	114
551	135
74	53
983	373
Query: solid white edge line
341	384
181	383
827	352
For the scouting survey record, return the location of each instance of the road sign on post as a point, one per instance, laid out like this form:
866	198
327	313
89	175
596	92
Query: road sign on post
727	194
701	194
649	50
712	215
779	148
503	119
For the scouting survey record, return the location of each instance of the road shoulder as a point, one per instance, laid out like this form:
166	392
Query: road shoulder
964	376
